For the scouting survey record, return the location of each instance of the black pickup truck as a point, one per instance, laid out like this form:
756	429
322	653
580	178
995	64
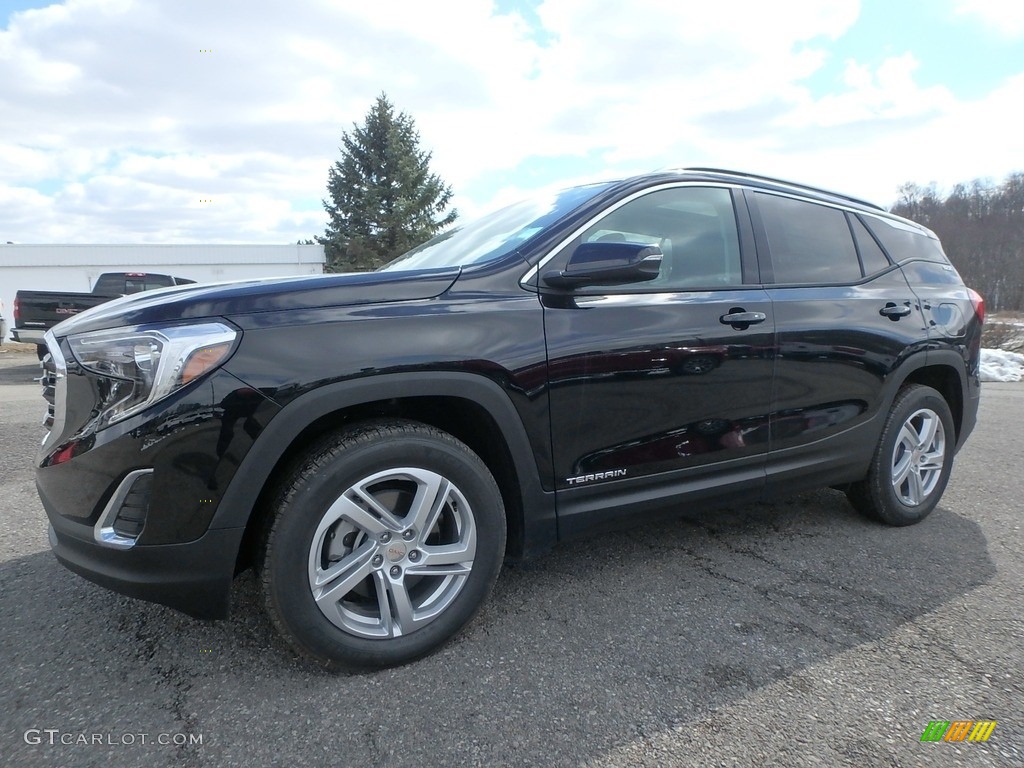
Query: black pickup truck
375	444
35	312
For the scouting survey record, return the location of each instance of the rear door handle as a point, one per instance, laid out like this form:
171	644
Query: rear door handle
739	317
895	311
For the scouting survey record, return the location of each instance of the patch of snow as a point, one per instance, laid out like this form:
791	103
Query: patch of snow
998	365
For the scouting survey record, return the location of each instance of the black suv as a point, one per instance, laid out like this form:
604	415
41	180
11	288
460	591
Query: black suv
374	444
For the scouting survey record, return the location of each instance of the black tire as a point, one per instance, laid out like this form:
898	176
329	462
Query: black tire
41	351
888	493
374	474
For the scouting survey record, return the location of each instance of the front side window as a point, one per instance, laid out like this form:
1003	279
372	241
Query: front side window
695	227
809	243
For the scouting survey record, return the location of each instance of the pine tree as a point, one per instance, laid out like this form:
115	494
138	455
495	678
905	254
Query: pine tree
383	198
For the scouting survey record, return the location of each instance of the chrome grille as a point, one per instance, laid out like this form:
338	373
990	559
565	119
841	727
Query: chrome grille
49	382
55	392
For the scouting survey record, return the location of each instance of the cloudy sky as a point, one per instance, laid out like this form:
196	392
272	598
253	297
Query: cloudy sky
176	121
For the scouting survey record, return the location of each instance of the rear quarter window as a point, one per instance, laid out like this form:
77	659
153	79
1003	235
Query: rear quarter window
903	242
872	256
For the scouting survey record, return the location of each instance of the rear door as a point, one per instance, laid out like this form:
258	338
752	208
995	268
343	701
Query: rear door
845	317
653	391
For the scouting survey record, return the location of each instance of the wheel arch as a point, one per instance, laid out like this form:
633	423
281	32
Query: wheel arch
943	370
470	407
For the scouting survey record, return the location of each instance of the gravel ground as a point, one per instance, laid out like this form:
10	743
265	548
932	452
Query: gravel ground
785	634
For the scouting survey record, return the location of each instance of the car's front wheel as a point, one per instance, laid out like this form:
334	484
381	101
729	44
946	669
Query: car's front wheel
912	461
384	541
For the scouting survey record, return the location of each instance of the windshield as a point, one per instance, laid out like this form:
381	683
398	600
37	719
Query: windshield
496	234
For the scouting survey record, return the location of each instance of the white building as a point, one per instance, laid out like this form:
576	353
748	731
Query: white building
76	267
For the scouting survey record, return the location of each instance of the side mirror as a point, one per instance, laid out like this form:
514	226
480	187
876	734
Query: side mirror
608	264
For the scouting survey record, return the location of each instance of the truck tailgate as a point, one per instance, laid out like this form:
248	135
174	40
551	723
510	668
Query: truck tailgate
44	309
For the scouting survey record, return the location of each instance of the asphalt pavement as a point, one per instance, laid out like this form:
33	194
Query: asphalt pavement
785	634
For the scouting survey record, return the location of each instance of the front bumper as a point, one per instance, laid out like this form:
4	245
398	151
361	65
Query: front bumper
194	578
152	541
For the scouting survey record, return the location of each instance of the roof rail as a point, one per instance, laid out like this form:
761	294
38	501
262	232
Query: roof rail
783	182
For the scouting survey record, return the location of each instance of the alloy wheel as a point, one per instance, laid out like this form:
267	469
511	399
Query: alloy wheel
918	457
392	552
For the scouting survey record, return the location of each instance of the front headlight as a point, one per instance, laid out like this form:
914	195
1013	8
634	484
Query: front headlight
139	366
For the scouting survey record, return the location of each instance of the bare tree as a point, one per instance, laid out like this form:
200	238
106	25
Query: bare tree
981	225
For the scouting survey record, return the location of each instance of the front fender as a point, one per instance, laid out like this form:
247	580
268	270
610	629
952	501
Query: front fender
240	498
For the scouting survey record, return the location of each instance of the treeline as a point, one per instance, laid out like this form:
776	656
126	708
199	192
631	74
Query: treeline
981	226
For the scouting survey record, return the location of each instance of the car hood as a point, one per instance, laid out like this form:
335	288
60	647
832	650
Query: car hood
263	295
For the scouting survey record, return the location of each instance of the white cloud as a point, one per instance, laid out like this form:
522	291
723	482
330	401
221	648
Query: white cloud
887	92
117	109
1004	16
266	105
946	143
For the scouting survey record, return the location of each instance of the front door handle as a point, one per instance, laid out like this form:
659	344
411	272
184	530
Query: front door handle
740	319
895	311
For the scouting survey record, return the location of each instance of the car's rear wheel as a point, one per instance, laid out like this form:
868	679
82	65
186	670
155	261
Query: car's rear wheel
912	462
384	542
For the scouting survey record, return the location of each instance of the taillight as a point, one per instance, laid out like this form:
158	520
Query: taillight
979	304
17	309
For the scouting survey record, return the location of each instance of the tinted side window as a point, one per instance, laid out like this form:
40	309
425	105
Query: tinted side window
871	255
809	243
695	228
904	243
109	285
158	281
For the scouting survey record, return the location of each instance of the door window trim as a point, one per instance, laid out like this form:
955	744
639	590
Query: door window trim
764	249
744	229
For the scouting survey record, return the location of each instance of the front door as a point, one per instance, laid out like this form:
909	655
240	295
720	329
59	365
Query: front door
661	388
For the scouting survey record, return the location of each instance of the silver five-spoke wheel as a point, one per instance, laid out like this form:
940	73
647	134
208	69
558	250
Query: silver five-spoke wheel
918	457
392	553
382	542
